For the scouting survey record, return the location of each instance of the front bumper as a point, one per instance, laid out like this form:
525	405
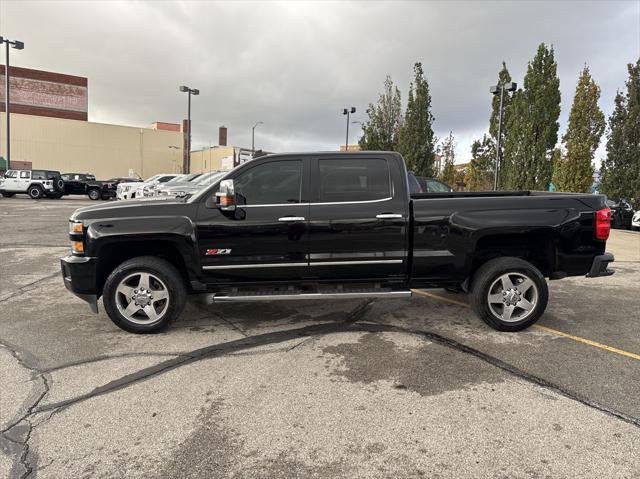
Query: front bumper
79	275
599	266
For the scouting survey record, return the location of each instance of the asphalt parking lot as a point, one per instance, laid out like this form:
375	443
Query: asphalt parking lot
381	388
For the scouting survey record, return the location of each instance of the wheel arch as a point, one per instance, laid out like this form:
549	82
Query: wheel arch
113	254
538	248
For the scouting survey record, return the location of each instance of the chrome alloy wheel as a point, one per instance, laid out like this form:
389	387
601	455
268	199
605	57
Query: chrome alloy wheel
512	297
142	298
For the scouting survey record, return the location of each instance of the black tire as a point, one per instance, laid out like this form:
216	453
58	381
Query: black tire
160	269
35	192
487	277
93	194
58	184
105	197
8	195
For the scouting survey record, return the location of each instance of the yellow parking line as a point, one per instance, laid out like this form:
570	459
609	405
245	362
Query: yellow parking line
595	344
435	296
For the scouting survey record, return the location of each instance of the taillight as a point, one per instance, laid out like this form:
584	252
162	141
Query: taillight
603	223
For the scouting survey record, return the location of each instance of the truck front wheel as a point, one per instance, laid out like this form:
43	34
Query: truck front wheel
144	294
509	294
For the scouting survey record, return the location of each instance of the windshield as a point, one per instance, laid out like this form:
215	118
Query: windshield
207	178
154	177
178	178
210	180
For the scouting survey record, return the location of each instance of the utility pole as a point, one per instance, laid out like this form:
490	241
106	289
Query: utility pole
189	91
253	137
348	111
500	88
18	45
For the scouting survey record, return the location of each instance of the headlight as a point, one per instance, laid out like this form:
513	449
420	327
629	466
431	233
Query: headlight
75	227
76	232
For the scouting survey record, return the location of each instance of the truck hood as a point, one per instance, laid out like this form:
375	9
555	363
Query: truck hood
134	209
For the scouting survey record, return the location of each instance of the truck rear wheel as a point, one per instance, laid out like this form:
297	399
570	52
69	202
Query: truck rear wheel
509	294
143	295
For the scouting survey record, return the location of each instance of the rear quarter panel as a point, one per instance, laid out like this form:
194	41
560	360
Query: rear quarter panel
447	231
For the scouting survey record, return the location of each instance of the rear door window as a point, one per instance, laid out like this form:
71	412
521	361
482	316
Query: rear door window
25	174
343	180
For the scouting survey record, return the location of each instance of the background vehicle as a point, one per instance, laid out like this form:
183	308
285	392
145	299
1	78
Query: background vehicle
431	185
35	183
635	221
621	214
125	191
332	225
86	184
188	189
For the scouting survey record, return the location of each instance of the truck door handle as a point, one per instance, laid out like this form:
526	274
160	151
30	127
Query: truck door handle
388	216
288	219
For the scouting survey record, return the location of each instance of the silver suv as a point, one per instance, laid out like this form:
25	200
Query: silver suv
35	183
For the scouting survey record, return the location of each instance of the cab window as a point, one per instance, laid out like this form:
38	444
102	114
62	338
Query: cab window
353	180
275	182
11	174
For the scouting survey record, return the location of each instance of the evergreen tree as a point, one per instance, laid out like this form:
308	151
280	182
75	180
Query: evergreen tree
620	173
574	172
533	126
479	175
448	173
417	141
503	77
380	131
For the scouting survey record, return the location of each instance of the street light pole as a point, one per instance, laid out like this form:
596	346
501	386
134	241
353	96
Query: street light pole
189	91
348	111
253	137
500	88
18	45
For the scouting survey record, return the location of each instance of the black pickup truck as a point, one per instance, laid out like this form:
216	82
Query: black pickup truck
86	184
332	225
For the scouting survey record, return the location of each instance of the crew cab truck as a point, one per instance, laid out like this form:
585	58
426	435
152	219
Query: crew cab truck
86	184
332	225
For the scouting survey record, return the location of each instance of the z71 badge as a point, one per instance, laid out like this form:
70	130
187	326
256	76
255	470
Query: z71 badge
214	251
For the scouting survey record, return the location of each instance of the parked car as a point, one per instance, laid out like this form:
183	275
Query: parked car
86	184
126	191
170	189
332	225
635	221
621	214
177	181
431	185
35	183
414	184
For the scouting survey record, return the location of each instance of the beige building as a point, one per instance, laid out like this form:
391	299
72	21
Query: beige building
219	158
81	146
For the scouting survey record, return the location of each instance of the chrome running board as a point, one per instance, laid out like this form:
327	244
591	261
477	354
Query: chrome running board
267	296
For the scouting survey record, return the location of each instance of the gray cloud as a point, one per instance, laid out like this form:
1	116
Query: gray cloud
295	65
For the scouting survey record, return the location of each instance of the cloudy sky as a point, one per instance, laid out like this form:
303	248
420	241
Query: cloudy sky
295	65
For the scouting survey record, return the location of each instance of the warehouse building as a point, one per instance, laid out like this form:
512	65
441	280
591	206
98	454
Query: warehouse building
50	130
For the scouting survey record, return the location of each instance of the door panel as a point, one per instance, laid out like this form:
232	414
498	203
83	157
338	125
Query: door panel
362	233
266	237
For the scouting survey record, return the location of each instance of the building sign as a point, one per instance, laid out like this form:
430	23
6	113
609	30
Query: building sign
36	92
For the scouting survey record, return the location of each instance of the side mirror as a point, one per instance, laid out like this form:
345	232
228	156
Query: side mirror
226	196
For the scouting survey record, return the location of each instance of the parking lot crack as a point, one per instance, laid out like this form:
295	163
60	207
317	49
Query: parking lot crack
27	287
